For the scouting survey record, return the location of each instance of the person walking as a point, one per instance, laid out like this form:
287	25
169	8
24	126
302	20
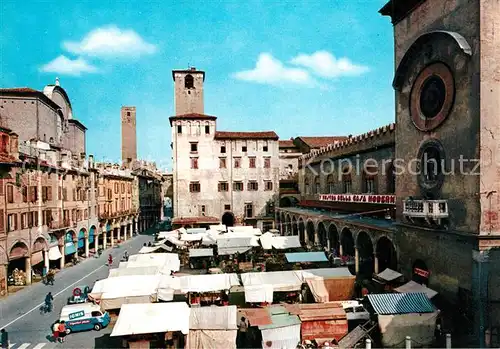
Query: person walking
5	339
50	277
243	329
62	331
48	302
110	260
55	331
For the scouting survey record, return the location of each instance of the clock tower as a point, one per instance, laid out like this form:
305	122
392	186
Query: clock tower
129	135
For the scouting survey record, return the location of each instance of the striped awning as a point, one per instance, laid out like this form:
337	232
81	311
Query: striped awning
400	303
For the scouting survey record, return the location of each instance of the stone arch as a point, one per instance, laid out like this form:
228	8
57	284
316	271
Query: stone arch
364	244
287	229
4	259
417	47
333	238
228	219
310	232
93	236
82	234
40	244
19	249
295	227
347	242
302	231
323	239
386	254
66	236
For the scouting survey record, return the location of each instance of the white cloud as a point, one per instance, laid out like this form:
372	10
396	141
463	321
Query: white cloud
111	42
66	66
325	65
269	70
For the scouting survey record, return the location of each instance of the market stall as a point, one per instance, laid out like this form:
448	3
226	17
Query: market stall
304	260
201	258
284	330
328	284
388	279
213	327
158	248
260	287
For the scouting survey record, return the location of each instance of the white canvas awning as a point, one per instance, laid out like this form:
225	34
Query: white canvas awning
389	275
414	287
214	318
196	231
192	237
166	234
133	271
152	249
232	250
259	293
270	240
175	241
207	282
325	273
201	252
54	253
152	318
241	229
282	281
219	227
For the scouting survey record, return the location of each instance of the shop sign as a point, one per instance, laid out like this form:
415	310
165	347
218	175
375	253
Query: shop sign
76	315
421	272
359	198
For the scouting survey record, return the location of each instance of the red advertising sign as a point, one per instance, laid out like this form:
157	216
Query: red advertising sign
359	198
421	272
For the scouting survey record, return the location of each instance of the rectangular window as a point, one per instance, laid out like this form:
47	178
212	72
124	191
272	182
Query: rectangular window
123	188
222	162
203	210
207	129
237	162
227	207
11	222
10	195
223	186
194	147
244	149
370	185
251	162
264	148
194	163
24	220
253	186
128	113
268	185
194	187
179	129
267	162
116	188
2	228
238	186
223	149
33	194
347	185
248	210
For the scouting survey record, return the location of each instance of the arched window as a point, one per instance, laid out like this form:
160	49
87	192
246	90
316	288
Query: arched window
391	178
346	180
307	186
189	81
330	184
370	179
317	185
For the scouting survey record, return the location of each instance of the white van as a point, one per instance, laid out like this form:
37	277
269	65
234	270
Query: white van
83	317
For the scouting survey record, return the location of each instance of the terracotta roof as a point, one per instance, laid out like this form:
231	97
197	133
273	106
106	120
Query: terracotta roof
246	135
192	116
26	91
287	144
192	220
318	142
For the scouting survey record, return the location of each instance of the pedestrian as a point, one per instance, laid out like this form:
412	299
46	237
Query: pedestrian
5	339
48	302
55	331
62	331
110	260
243	329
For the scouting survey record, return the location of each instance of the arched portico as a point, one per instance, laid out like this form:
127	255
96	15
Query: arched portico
302	232
82	242
295	226
19	258
333	239
347	243
322	236
386	254
365	254
310	233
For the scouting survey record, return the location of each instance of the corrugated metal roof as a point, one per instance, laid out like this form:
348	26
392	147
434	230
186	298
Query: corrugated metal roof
299	257
400	303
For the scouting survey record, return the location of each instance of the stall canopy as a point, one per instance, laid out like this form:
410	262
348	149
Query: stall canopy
156	248
306	257
133	271
389	275
220	227
208	282
152	318
192	237
400	303
327	285
282	281
166	261
414	287
166	234
201	252
270	240
196	231
283	332
213	327
54	253
233	243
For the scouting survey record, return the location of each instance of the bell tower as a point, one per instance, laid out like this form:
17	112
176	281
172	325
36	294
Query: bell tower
188	91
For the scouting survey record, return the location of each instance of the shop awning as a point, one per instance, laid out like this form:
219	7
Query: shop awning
400	303
69	248
36	258
54	253
201	252
306	257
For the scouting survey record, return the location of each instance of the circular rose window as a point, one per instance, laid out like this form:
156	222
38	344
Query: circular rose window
432	96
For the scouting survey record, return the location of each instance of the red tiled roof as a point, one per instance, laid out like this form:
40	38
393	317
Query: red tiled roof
193	220
246	135
318	142
192	116
287	144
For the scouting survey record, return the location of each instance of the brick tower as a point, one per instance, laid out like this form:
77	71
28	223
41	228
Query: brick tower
129	135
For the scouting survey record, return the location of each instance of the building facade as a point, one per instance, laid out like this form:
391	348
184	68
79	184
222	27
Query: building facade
218	176
410	196
149	185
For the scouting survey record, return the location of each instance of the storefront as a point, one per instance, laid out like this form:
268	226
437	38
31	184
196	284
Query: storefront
69	246
38	256
18	264
92	239
81	243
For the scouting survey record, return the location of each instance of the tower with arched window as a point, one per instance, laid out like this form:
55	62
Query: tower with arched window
188	91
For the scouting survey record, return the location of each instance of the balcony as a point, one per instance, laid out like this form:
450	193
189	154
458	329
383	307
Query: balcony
60	224
428	209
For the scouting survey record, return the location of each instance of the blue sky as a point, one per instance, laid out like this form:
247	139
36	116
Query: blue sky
313	68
